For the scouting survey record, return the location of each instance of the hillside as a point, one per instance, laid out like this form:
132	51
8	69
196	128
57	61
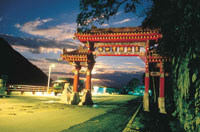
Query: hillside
18	68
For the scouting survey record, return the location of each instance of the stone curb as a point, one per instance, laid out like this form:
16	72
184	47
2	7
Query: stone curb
129	125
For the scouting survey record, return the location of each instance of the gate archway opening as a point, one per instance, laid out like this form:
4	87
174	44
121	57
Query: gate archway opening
128	41
116	71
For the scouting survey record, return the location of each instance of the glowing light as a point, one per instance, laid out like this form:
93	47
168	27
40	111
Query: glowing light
49	76
95	91
94	71
52	65
104	90
39	93
44	94
96	88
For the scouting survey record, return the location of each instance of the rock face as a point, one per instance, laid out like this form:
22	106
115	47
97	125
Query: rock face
18	69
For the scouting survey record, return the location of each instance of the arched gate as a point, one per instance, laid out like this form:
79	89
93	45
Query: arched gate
117	42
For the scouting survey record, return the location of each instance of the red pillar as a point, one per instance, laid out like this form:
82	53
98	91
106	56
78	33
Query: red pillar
146	93
74	97
147	69
162	80
161	99
76	79
89	68
147	77
87	96
88	79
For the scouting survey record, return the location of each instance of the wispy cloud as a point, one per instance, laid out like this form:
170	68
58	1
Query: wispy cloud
107	77
1	18
129	63
39	45
39	50
59	32
116	78
123	21
118	13
104	25
61	68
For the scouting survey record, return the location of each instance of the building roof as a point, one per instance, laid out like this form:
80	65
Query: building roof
124	34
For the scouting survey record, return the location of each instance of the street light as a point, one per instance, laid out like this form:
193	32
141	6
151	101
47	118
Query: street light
51	66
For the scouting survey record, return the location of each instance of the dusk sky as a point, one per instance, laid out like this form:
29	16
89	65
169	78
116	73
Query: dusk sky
39	29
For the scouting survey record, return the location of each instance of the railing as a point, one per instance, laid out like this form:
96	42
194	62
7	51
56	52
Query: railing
26	88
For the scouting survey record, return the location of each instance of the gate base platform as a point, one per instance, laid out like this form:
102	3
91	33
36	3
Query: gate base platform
161	104
74	99
146	101
86	98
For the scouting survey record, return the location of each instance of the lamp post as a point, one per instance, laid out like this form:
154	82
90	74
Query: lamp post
51	66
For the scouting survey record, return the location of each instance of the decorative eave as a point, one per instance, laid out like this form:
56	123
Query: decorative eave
130	34
153	56
79	55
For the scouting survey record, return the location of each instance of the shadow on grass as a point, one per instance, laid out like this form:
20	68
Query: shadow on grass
154	121
114	120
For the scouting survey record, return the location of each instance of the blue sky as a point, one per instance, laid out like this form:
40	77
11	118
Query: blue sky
39	29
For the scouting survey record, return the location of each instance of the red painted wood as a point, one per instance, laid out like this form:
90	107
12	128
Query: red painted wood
162	80
88	80
162	85
76	80
118	46
117	40
116	55
118	35
146	84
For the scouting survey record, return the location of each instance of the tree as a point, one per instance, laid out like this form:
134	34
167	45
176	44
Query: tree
101	10
179	21
133	84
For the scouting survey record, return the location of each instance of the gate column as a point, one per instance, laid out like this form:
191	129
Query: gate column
161	98
88	79
87	96
75	99
146	93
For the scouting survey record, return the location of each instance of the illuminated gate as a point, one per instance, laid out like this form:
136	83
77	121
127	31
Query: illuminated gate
129	41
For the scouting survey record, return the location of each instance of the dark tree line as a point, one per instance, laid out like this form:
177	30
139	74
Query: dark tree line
133	84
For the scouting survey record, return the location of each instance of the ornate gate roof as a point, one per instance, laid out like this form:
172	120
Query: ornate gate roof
127	34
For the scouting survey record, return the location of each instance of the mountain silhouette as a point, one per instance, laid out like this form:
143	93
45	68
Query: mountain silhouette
18	69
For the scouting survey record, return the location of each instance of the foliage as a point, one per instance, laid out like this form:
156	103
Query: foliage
133	84
101	10
187	91
179	21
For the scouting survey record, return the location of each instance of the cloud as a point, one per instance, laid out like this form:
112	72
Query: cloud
110	65
129	63
59	32
123	21
39	45
1	18
32	25
118	13
61	68
115	79
104	25
40	50
107	77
